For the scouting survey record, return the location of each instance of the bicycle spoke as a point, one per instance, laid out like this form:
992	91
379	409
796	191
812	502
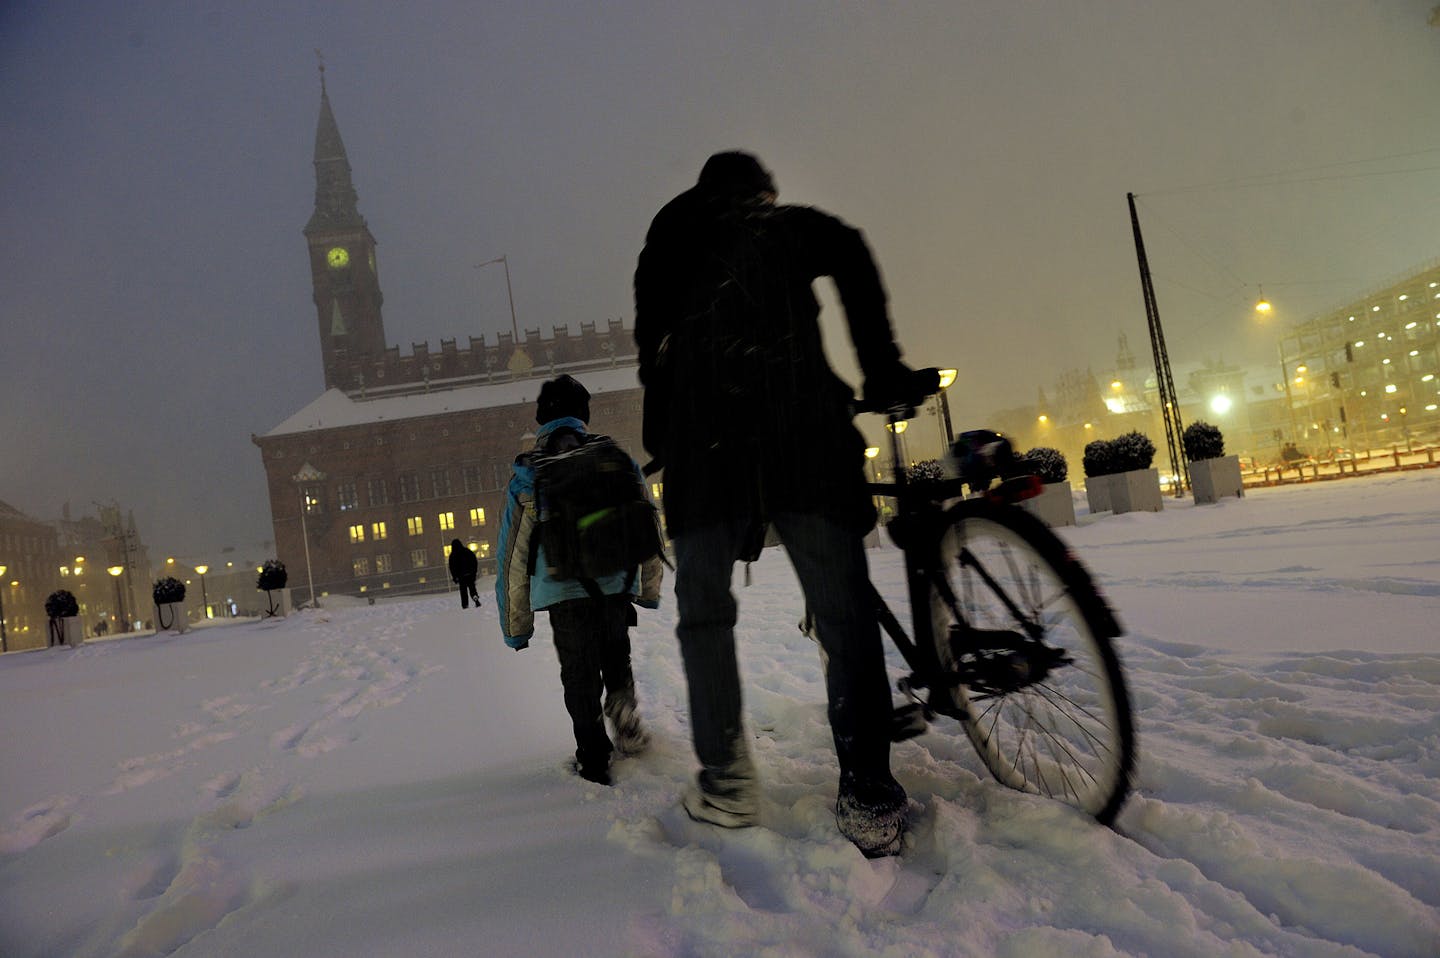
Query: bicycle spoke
1022	603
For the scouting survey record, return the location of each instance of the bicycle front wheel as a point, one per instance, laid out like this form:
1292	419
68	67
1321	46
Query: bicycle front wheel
1022	637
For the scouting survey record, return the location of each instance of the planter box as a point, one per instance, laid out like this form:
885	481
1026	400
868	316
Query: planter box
71	631
1136	491
281	600
1055	506
1097	493
1213	479
172	615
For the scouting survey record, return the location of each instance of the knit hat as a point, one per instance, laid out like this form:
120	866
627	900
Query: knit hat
560	397
734	175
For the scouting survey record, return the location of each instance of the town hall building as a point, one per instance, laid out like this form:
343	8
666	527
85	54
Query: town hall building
402	454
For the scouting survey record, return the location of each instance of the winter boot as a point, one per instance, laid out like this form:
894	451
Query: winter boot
872	814
630	736
727	796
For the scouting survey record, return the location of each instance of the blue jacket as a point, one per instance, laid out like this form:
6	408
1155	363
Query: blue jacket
519	595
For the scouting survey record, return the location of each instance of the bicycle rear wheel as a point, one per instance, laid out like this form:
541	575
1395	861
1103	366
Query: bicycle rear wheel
1023	637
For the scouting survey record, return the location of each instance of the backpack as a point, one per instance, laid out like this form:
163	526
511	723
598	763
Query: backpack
595	518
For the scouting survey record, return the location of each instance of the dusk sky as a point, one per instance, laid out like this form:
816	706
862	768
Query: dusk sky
155	297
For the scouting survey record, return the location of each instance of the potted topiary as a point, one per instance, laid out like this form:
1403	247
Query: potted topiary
272	578
64	613
1212	473
1055	506
168	594
1136	487
1099	463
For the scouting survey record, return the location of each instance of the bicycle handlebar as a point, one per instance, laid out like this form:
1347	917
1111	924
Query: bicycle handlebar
920	385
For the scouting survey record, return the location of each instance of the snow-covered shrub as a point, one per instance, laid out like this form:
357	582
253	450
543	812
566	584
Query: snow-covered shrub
1099	458
1132	451
168	590
272	576
927	470
1047	463
1203	441
61	604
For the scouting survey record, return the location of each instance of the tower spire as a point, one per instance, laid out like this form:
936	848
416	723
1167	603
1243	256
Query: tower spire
336	202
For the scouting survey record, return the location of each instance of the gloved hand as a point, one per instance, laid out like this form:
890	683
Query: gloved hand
518	642
898	385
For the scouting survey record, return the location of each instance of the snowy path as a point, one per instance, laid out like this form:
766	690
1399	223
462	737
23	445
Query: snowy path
391	780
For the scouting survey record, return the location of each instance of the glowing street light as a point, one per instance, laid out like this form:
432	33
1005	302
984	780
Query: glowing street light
204	598
947	377
124	622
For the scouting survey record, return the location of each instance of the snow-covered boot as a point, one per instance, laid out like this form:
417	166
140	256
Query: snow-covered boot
728	796
630	736
872	814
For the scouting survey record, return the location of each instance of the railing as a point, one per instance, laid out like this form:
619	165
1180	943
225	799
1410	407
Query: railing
1375	461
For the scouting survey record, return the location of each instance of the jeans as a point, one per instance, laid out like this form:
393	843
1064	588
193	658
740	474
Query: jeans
592	642
830	563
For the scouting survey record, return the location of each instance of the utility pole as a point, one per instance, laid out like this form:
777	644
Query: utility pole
1164	381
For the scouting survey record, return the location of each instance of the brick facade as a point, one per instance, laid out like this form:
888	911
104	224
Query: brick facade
403	476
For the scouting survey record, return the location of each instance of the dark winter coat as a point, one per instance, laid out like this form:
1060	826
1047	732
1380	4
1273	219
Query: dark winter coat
463	564
741	407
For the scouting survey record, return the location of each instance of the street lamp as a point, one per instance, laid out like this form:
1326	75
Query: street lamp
204	597
947	376
307	473
1263	307
123	622
3	639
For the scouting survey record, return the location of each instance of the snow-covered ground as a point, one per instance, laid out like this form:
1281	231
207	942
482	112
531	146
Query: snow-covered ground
391	780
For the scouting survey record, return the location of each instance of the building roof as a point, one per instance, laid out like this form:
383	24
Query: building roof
334	410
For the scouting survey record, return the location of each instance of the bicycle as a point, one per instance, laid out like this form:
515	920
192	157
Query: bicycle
1010	634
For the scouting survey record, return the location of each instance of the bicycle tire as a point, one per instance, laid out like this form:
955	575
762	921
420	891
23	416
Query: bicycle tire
1069	733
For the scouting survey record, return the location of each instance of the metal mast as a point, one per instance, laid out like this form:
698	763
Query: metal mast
1164	380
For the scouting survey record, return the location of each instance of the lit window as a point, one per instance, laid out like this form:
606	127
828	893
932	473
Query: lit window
1390	388
357	533
416	525
362	566
418	558
378	531
382	563
657	489
482	548
447	520
346	497
477	517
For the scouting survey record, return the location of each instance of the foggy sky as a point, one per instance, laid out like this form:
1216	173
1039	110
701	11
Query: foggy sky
155	297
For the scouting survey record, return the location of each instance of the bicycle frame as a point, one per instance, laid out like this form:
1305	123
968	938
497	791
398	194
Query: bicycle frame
912	507
914	529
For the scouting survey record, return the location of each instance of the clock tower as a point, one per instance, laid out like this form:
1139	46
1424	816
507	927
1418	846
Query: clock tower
343	270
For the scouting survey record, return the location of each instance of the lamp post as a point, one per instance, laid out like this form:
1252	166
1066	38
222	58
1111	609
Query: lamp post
123	622
1263	307
307	473
204	596
514	327
947	376
3	639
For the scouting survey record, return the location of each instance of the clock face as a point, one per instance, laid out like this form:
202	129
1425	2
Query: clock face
338	256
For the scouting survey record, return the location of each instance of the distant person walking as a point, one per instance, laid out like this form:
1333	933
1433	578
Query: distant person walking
753	428
464	567
590	618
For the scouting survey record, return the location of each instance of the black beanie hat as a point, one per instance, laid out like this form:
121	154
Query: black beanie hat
560	397
734	175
